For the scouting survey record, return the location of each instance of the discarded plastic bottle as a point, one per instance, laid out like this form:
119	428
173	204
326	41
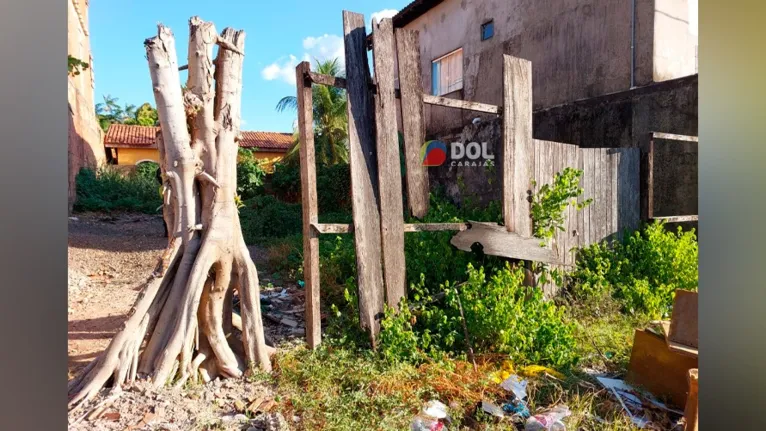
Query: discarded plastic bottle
548	421
426	423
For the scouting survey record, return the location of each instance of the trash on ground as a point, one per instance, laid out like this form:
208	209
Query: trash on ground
550	420
535	370
633	402
503	373
492	409
518	408
436	409
431	418
516	385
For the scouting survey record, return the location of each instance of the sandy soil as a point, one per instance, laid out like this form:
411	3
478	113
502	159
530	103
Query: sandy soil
109	257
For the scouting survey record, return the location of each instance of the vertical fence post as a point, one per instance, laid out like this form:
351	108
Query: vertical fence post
389	167
647	178
518	146
310	210
364	175
408	54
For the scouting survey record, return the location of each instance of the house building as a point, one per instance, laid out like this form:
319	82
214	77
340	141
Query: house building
579	49
129	145
85	137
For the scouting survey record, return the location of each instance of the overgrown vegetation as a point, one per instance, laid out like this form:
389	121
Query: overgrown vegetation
642	271
109	189
250	174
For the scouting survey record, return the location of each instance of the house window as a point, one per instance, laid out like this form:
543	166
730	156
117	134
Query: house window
447	73
487	30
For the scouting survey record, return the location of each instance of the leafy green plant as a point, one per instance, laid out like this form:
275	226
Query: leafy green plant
501	314
250	174
76	66
550	201
109	189
642	270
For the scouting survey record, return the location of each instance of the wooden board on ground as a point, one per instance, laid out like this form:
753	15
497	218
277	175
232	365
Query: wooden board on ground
408	54
658	369
364	174
389	167
496	241
683	322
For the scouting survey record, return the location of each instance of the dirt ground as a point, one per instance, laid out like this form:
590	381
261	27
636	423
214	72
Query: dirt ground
109	258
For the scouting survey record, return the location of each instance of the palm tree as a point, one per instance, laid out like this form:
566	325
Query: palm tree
108	112
330	118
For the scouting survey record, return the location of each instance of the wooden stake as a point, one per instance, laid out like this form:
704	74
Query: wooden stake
310	210
389	168
364	175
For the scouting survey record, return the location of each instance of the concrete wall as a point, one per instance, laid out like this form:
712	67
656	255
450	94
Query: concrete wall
612	121
675	39
578	48
85	140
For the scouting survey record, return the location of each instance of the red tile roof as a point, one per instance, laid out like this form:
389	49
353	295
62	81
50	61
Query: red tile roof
273	141
130	136
125	136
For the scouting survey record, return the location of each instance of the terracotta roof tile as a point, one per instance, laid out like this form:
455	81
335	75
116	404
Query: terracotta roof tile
130	136
125	136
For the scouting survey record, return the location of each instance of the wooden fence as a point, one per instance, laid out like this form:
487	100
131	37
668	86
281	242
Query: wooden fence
610	176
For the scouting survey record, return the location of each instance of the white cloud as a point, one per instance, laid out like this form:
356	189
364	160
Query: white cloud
385	13
326	47
282	69
322	48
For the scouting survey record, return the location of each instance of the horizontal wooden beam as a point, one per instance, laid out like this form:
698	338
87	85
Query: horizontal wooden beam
333	81
677	219
336	228
673	137
461	104
497	241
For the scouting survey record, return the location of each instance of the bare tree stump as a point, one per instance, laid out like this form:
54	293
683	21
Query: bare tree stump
177	328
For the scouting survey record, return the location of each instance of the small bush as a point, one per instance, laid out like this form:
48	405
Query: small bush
266	217
642	271
250	174
109	189
333	185
501	315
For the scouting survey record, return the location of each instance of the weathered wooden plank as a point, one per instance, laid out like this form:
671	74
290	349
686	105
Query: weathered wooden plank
678	219
605	181
389	167
497	241
571	161
650	182
333	81
338	228
588	156
309	206
461	104
518	146
674	137
617	158
408	54
364	175
629	190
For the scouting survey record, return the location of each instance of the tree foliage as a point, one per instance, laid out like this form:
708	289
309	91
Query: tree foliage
330	118
110	112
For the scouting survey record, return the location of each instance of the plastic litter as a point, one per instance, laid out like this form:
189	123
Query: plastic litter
516	385
549	421
517	407
436	409
431	417
492	409
423	422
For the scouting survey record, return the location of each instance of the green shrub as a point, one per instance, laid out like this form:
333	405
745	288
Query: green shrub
501	314
643	270
333	185
109	189
266	217
250	174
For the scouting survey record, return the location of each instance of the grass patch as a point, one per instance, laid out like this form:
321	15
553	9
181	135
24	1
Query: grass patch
109	189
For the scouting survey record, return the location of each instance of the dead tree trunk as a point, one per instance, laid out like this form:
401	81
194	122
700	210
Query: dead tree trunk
178	327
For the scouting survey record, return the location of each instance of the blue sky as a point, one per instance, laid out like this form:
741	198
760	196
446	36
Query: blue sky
279	35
